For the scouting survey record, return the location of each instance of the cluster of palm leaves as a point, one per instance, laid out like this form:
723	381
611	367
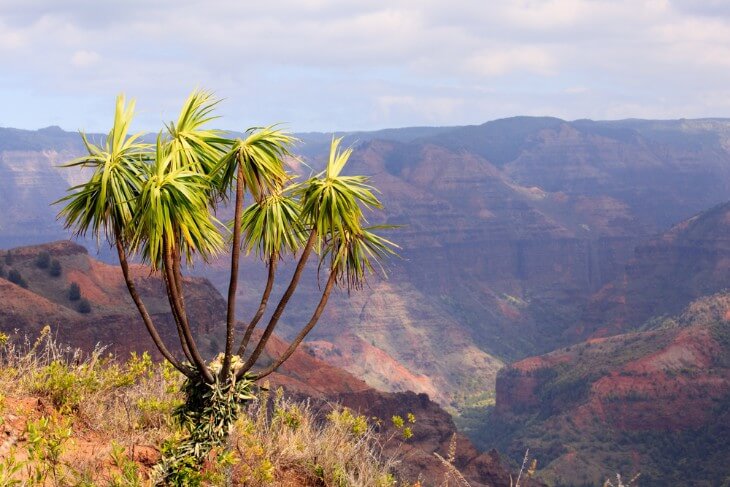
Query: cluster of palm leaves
157	202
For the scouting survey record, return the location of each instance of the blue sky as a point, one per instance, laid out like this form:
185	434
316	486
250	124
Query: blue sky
355	65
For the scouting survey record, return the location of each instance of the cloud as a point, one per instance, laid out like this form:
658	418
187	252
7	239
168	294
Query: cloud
84	58
500	61
327	64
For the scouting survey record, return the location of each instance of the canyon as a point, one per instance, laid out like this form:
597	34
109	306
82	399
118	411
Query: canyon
565	266
113	323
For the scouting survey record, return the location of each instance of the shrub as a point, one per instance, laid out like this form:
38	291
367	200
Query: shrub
2	270
15	277
8	258
83	306
74	292
47	439
62	384
130	403
43	261
56	268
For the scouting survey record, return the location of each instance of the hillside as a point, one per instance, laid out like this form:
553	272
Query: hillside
690	260
46	300
112	322
655	402
509	229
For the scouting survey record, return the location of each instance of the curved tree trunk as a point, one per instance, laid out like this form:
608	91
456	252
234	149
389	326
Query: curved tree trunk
178	322
305	331
169	267
262	306
233	284
145	315
281	306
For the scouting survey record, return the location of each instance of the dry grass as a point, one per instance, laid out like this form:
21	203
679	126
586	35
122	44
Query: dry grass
324	447
98	410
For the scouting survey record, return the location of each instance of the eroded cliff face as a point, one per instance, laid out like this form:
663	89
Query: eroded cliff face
433	430
31	179
666	273
639	401
508	230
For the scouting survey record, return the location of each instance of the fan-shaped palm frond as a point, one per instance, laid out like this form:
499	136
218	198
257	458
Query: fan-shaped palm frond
172	210
332	203
352	256
105	203
260	157
272	226
192	146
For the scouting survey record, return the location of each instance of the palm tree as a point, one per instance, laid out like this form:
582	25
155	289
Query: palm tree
158	202
105	204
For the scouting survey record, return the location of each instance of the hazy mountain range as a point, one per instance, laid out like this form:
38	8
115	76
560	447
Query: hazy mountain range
519	237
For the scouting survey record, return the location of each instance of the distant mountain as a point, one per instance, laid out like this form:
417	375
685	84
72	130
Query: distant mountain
509	229
655	402
666	273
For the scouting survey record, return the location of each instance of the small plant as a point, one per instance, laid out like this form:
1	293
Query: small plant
56	270
525	470
43	260
3	272
10	469
127	474
208	414
400	424
47	439
16	278
355	425
9	258
83	306
452	473
74	292
64	386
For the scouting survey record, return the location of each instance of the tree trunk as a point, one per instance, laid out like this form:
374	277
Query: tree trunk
281	306
178	322
145	315
168	267
233	284
262	306
305	331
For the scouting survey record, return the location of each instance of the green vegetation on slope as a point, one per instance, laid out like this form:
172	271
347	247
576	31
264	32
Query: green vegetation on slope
75	420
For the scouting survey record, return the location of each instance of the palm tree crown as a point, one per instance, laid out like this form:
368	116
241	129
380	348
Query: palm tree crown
158	201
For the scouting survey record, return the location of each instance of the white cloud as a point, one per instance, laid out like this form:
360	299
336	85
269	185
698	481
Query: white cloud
84	58
504	60
432	110
326	64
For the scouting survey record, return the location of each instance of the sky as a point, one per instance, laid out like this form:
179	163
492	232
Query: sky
325	65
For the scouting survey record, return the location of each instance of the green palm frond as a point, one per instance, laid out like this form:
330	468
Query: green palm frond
352	256
173	210
333	203
193	146
272	226
106	203
337	159
260	156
